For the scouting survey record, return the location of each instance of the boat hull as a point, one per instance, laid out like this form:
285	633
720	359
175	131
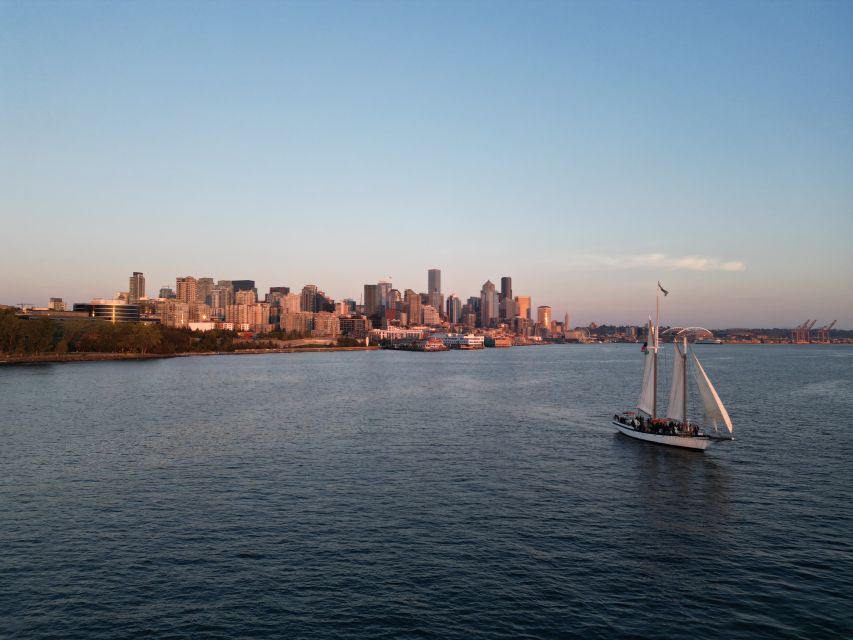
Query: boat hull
698	443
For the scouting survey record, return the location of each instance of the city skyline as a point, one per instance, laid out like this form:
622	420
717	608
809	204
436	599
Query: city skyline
585	150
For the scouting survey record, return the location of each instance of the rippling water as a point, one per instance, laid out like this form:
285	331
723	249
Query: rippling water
407	495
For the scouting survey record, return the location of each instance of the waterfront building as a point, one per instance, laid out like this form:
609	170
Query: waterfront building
395	334
431	316
136	288
173	312
326	325
469	320
354	326
522	307
186	289
522	326
488	304
109	309
300	322
256	315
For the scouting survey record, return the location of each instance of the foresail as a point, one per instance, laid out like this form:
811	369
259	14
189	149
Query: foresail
675	407
646	402
714	409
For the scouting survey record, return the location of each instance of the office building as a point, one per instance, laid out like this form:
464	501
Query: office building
434	296
454	309
522	307
136	290
488	304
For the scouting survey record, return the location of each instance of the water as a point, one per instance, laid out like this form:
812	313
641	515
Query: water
407	495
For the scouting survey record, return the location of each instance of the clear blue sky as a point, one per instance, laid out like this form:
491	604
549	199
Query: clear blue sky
587	149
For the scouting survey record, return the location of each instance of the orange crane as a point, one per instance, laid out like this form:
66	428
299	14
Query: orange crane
823	332
799	333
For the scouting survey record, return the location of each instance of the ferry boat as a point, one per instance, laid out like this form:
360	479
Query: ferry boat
675	427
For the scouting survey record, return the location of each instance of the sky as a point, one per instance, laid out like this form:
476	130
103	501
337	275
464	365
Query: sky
586	149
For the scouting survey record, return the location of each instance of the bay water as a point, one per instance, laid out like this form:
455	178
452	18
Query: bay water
422	495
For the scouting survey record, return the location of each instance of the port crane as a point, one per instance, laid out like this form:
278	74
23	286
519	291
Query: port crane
823	332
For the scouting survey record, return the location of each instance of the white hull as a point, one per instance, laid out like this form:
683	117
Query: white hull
699	443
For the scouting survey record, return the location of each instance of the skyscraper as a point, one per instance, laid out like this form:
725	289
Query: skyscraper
488	304
309	298
413	307
371	299
454	309
434	288
506	288
543	317
137	287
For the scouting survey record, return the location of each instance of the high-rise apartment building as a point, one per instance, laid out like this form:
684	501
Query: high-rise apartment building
186	289
166	293
488	304
247	296
309	298
137	287
205	289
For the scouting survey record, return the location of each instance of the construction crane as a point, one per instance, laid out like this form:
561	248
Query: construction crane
823	332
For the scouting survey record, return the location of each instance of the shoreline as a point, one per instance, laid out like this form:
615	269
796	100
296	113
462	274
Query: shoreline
63	358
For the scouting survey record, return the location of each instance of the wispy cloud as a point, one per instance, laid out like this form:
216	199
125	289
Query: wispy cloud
659	261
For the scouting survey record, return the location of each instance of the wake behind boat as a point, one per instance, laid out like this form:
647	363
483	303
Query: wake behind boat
675	428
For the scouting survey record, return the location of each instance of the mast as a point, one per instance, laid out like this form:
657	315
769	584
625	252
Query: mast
684	356
655	354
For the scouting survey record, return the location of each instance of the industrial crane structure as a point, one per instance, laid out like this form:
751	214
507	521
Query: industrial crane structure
823	332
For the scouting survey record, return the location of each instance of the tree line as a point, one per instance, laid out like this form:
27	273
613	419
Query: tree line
42	335
36	336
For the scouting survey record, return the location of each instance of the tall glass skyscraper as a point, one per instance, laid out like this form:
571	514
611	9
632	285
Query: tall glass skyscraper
434	288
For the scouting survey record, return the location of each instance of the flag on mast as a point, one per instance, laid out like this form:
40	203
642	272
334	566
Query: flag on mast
665	292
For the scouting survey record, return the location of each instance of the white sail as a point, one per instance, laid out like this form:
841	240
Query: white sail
675	408
714	410
646	403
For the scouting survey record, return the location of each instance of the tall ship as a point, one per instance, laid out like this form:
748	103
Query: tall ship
675	428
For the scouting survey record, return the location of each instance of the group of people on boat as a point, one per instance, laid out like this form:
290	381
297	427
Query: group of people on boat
657	425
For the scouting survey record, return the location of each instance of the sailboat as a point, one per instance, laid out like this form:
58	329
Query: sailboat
675	428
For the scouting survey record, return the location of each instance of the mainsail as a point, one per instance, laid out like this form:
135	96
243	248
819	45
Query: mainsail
646	403
714	410
675	407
